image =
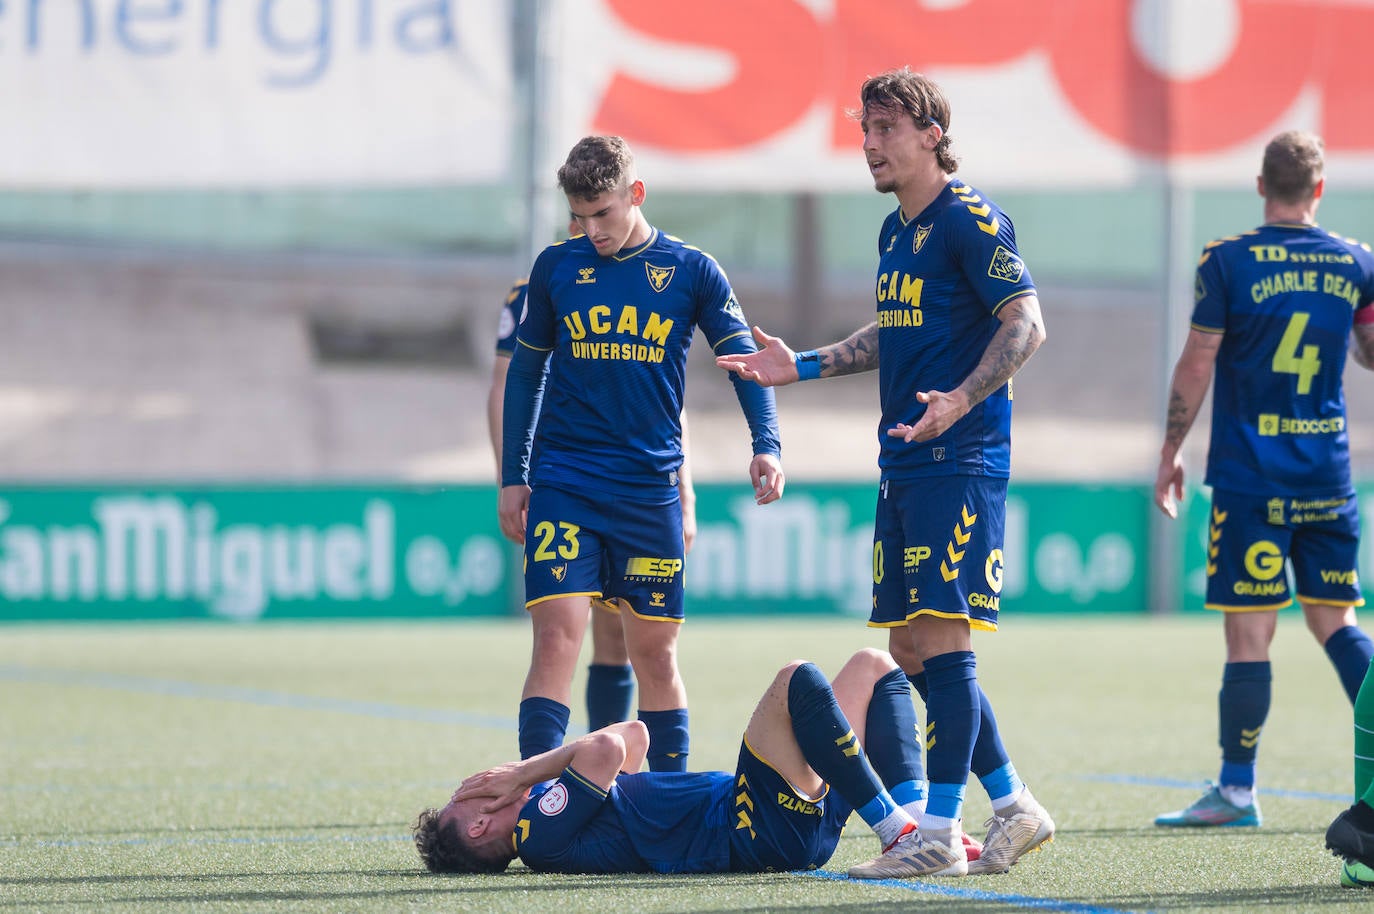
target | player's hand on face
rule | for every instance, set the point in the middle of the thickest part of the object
(773, 365)
(511, 510)
(1169, 484)
(942, 410)
(500, 786)
(765, 471)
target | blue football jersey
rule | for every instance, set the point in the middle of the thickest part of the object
(511, 310)
(662, 822)
(615, 332)
(942, 278)
(1284, 298)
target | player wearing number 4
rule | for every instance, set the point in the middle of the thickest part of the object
(1274, 312)
(591, 450)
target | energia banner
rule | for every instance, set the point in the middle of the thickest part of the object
(726, 94)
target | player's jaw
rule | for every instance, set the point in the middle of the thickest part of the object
(884, 176)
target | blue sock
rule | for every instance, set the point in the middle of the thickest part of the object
(989, 754)
(543, 723)
(1350, 650)
(893, 739)
(952, 726)
(945, 806)
(830, 747)
(1243, 704)
(668, 739)
(610, 694)
(1003, 786)
(919, 683)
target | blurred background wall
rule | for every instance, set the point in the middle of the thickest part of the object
(267, 241)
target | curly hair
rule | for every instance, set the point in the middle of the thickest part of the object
(443, 850)
(919, 96)
(1294, 162)
(596, 165)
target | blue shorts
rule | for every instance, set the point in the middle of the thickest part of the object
(1251, 538)
(776, 830)
(602, 545)
(937, 550)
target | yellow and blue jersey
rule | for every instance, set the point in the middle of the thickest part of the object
(942, 279)
(613, 334)
(679, 822)
(661, 822)
(1284, 297)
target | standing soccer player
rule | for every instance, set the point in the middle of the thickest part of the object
(957, 316)
(610, 678)
(591, 452)
(1273, 316)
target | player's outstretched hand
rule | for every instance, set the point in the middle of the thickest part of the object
(500, 786)
(765, 471)
(1169, 484)
(511, 509)
(942, 410)
(773, 365)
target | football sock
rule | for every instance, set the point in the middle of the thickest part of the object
(668, 739)
(988, 752)
(830, 747)
(892, 741)
(610, 694)
(989, 755)
(1004, 787)
(952, 726)
(1243, 706)
(1364, 738)
(543, 723)
(1350, 650)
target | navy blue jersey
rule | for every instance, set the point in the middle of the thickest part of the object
(614, 333)
(679, 822)
(510, 318)
(662, 822)
(942, 278)
(1284, 298)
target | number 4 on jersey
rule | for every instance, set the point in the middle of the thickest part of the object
(1286, 358)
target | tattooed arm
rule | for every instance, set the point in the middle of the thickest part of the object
(1021, 333)
(1192, 376)
(774, 364)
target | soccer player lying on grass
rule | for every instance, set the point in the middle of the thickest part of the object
(812, 753)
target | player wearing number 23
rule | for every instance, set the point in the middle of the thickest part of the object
(1275, 309)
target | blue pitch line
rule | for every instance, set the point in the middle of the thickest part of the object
(1138, 781)
(246, 695)
(168, 842)
(950, 891)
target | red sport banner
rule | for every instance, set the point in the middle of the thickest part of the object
(757, 93)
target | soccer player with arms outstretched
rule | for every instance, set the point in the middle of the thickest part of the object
(592, 450)
(1274, 312)
(957, 316)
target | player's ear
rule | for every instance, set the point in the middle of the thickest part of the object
(1259, 184)
(478, 826)
(1319, 189)
(637, 193)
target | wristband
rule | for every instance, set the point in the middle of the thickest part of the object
(808, 365)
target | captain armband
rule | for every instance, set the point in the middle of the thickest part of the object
(808, 365)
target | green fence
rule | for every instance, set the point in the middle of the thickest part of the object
(293, 552)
